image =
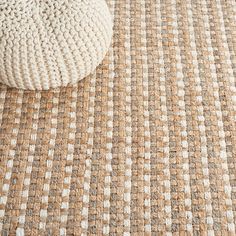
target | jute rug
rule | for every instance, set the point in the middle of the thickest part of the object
(145, 145)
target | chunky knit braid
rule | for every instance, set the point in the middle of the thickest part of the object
(49, 43)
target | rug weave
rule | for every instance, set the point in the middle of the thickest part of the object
(146, 145)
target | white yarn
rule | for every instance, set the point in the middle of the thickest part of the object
(49, 43)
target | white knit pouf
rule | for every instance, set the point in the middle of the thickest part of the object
(50, 43)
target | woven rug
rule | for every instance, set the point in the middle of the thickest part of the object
(146, 145)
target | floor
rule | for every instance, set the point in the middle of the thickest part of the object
(144, 146)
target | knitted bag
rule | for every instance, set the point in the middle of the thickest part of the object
(49, 43)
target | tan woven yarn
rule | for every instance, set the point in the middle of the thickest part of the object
(144, 146)
(46, 44)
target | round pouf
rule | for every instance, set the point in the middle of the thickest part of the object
(50, 43)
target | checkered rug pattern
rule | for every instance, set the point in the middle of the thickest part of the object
(146, 145)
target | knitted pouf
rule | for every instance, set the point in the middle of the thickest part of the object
(49, 43)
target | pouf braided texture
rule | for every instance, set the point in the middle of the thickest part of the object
(50, 43)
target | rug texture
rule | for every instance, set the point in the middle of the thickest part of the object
(145, 145)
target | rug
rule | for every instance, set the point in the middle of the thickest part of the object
(146, 145)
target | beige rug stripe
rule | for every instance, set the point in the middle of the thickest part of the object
(199, 177)
(80, 156)
(176, 114)
(229, 82)
(98, 158)
(137, 107)
(156, 157)
(69, 162)
(128, 126)
(87, 174)
(164, 123)
(223, 153)
(184, 134)
(28, 168)
(225, 71)
(118, 205)
(147, 138)
(229, 12)
(17, 178)
(50, 169)
(229, 15)
(201, 121)
(205, 65)
(218, 113)
(227, 65)
(39, 165)
(10, 157)
(49, 163)
(172, 210)
(109, 135)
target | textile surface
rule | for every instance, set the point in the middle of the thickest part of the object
(144, 146)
